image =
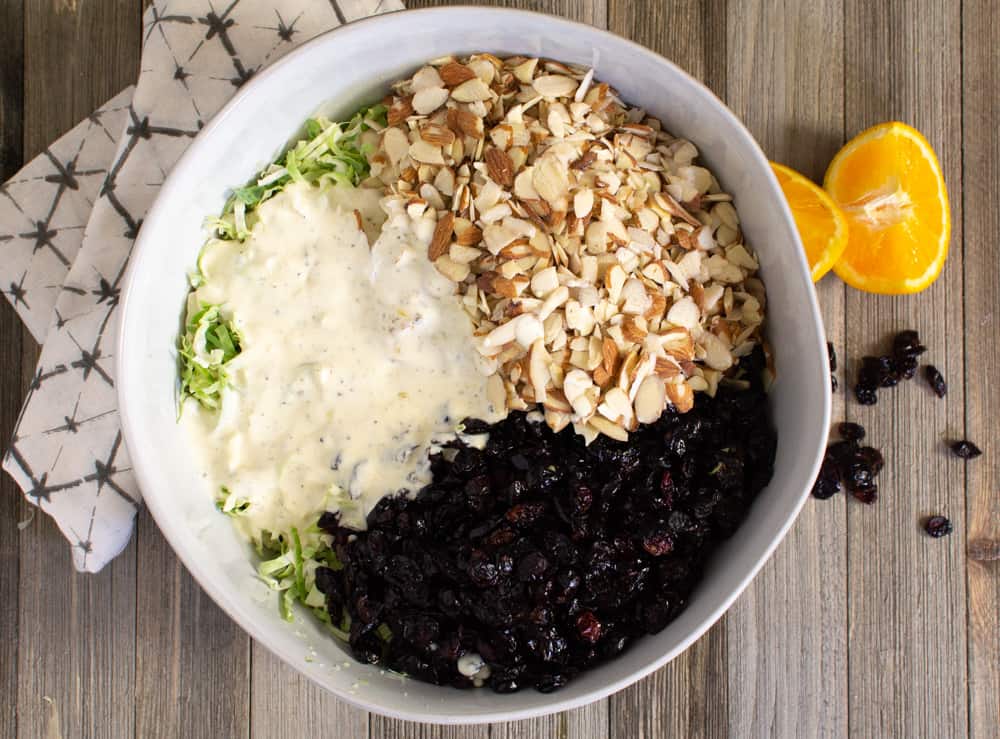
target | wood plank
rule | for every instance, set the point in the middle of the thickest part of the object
(686, 697)
(594, 12)
(907, 668)
(192, 660)
(787, 666)
(12, 338)
(76, 632)
(981, 143)
(391, 728)
(283, 703)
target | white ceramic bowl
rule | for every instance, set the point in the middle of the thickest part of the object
(338, 72)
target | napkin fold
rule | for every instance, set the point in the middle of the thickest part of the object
(67, 224)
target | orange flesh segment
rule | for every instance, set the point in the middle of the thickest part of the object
(889, 184)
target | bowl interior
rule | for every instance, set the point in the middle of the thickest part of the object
(337, 72)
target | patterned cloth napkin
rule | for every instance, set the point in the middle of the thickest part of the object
(67, 224)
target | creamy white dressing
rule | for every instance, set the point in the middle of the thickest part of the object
(355, 361)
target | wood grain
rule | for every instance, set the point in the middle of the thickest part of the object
(12, 350)
(784, 59)
(860, 625)
(283, 703)
(906, 591)
(192, 661)
(682, 698)
(75, 660)
(981, 180)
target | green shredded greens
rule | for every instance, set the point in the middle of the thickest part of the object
(330, 151)
(207, 345)
(229, 503)
(289, 567)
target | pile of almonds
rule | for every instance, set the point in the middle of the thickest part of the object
(605, 272)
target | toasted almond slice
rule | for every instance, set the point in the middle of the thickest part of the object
(668, 204)
(428, 100)
(608, 428)
(454, 74)
(426, 77)
(583, 202)
(680, 395)
(556, 421)
(470, 91)
(436, 134)
(610, 352)
(442, 236)
(395, 144)
(400, 110)
(684, 313)
(421, 151)
(452, 270)
(549, 179)
(554, 85)
(650, 400)
(525, 70)
(538, 369)
(500, 166)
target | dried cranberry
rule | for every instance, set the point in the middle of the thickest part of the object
(865, 394)
(851, 431)
(938, 526)
(907, 344)
(658, 543)
(872, 458)
(935, 380)
(828, 482)
(866, 492)
(965, 449)
(588, 627)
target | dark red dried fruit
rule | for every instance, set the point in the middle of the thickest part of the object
(867, 493)
(832, 355)
(871, 457)
(546, 556)
(658, 543)
(907, 344)
(588, 627)
(938, 526)
(866, 394)
(935, 380)
(965, 449)
(828, 482)
(851, 431)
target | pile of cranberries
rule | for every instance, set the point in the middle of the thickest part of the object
(529, 561)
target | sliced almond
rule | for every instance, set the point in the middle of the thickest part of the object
(554, 85)
(680, 395)
(442, 236)
(464, 122)
(454, 74)
(428, 100)
(436, 134)
(470, 91)
(422, 151)
(608, 428)
(500, 166)
(399, 111)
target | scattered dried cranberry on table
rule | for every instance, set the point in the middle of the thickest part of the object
(935, 380)
(887, 370)
(965, 449)
(938, 526)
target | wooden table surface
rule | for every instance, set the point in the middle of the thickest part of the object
(859, 625)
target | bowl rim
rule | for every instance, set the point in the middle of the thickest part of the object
(158, 508)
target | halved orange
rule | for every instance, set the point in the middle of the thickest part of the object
(822, 227)
(888, 182)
